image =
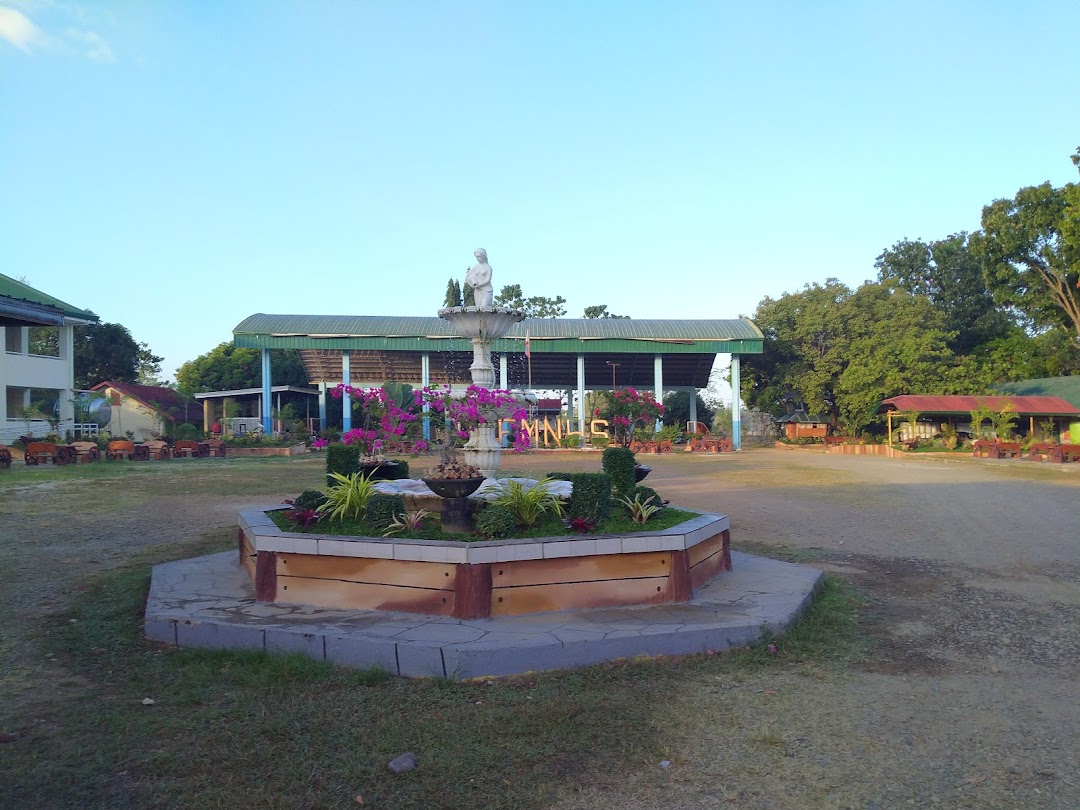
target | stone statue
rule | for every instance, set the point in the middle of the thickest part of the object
(479, 278)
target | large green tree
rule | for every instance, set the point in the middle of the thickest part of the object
(677, 409)
(840, 352)
(601, 312)
(536, 306)
(948, 274)
(107, 351)
(1030, 251)
(227, 367)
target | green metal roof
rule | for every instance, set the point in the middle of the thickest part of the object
(1067, 388)
(585, 335)
(19, 292)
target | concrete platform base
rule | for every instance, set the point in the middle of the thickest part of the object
(209, 602)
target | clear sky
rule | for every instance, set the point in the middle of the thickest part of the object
(178, 166)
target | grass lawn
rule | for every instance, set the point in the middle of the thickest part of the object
(245, 730)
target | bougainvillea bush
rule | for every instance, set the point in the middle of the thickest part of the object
(629, 409)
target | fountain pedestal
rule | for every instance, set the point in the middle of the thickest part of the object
(482, 325)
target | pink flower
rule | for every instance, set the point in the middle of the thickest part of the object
(320, 443)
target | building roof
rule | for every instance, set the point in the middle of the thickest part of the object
(393, 347)
(19, 297)
(1027, 405)
(802, 416)
(243, 392)
(1067, 388)
(165, 401)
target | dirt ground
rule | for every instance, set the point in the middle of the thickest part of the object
(967, 697)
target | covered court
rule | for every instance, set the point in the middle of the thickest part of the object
(571, 355)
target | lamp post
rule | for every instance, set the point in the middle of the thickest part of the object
(614, 366)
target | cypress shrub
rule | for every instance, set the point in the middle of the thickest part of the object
(343, 459)
(591, 497)
(618, 462)
(380, 510)
(495, 522)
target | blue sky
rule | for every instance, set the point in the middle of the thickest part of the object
(176, 167)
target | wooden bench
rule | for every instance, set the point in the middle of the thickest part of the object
(42, 453)
(185, 448)
(5, 456)
(986, 448)
(85, 452)
(1060, 453)
(153, 450)
(831, 441)
(212, 448)
(1008, 449)
(120, 450)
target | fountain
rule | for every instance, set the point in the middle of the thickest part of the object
(481, 324)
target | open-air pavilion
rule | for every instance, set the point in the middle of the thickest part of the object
(563, 354)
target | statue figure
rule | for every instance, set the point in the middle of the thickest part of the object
(479, 278)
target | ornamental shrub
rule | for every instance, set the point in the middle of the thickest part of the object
(309, 499)
(343, 459)
(495, 522)
(643, 494)
(187, 432)
(395, 471)
(618, 462)
(591, 497)
(381, 509)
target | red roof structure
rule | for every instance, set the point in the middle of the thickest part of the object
(164, 400)
(1029, 406)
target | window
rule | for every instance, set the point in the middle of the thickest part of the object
(16, 400)
(45, 341)
(13, 341)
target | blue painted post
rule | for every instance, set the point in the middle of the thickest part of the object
(425, 382)
(736, 404)
(266, 382)
(581, 396)
(322, 406)
(658, 375)
(346, 400)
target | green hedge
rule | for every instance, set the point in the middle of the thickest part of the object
(619, 463)
(380, 510)
(495, 522)
(591, 497)
(345, 459)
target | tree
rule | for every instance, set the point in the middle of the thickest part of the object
(227, 367)
(537, 306)
(601, 312)
(948, 274)
(840, 353)
(453, 294)
(1030, 252)
(677, 409)
(107, 351)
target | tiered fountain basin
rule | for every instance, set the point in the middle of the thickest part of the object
(482, 579)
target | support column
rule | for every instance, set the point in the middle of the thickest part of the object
(266, 401)
(346, 400)
(736, 404)
(581, 396)
(658, 375)
(693, 405)
(322, 406)
(207, 415)
(504, 375)
(425, 382)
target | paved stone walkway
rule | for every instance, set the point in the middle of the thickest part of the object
(210, 602)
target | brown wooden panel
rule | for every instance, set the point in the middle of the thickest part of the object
(705, 549)
(580, 569)
(439, 576)
(710, 567)
(334, 593)
(247, 556)
(266, 576)
(472, 591)
(679, 588)
(565, 596)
